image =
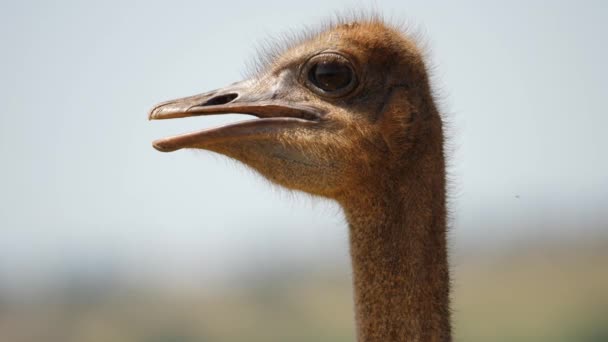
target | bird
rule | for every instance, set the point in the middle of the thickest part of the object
(347, 112)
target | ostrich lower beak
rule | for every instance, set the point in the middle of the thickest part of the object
(274, 114)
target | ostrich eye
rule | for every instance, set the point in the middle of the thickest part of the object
(330, 75)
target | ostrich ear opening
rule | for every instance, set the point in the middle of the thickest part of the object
(396, 121)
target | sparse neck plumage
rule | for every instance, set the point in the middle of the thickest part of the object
(398, 250)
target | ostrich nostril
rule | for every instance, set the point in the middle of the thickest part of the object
(220, 100)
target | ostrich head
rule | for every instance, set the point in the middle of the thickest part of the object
(335, 110)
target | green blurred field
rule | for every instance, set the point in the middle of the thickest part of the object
(548, 293)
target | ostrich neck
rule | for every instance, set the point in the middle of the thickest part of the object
(399, 257)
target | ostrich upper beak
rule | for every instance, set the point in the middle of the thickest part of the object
(275, 112)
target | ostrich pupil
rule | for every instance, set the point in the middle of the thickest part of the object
(330, 75)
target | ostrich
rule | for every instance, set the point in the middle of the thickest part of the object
(347, 113)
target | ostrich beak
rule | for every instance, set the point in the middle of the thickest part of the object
(275, 113)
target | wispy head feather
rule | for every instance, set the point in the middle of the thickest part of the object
(269, 49)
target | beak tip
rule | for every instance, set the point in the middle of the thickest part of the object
(161, 147)
(152, 113)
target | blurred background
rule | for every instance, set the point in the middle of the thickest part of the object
(104, 239)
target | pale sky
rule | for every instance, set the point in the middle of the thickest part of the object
(523, 84)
